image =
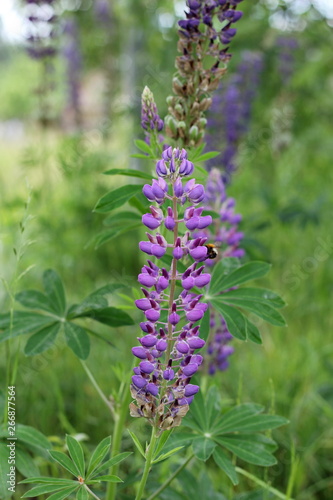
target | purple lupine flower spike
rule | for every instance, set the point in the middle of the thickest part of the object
(230, 115)
(161, 384)
(150, 120)
(204, 50)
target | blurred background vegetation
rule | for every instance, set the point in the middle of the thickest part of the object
(51, 177)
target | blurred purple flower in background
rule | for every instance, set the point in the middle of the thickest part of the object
(230, 114)
(41, 28)
(286, 47)
(72, 55)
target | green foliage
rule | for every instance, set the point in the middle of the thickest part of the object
(263, 303)
(50, 314)
(214, 432)
(75, 464)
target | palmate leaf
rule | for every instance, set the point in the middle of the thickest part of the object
(110, 234)
(122, 219)
(47, 480)
(47, 488)
(64, 461)
(235, 320)
(110, 316)
(247, 449)
(33, 299)
(99, 454)
(42, 340)
(32, 437)
(63, 494)
(129, 173)
(143, 146)
(76, 453)
(109, 463)
(116, 198)
(203, 447)
(82, 494)
(77, 339)
(25, 464)
(24, 323)
(261, 295)
(223, 462)
(54, 290)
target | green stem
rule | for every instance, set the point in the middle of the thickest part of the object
(171, 478)
(120, 419)
(91, 492)
(149, 459)
(98, 389)
(264, 485)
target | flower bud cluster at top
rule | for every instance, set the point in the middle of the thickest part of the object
(150, 119)
(196, 78)
(231, 112)
(41, 28)
(167, 350)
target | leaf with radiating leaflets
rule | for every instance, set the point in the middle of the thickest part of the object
(143, 146)
(24, 323)
(64, 461)
(223, 462)
(116, 198)
(44, 489)
(63, 494)
(129, 173)
(247, 449)
(33, 299)
(32, 437)
(110, 316)
(77, 339)
(54, 290)
(42, 340)
(25, 464)
(203, 447)
(247, 272)
(112, 461)
(82, 494)
(220, 271)
(261, 295)
(235, 320)
(76, 453)
(99, 454)
(121, 219)
(110, 234)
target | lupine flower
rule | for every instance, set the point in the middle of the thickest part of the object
(150, 120)
(41, 28)
(231, 113)
(224, 233)
(219, 350)
(102, 12)
(194, 80)
(72, 54)
(286, 53)
(167, 350)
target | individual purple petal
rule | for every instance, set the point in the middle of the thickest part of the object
(190, 390)
(195, 342)
(139, 352)
(190, 369)
(139, 381)
(152, 314)
(152, 389)
(148, 340)
(147, 367)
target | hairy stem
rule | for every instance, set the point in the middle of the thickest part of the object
(171, 478)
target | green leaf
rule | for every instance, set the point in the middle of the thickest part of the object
(64, 461)
(162, 441)
(140, 202)
(25, 322)
(220, 271)
(82, 494)
(63, 494)
(167, 455)
(54, 290)
(47, 480)
(208, 156)
(116, 198)
(43, 489)
(137, 443)
(109, 479)
(252, 332)
(33, 437)
(99, 454)
(250, 451)
(121, 218)
(261, 295)
(110, 316)
(139, 155)
(223, 462)
(198, 412)
(76, 453)
(33, 299)
(205, 325)
(247, 272)
(112, 461)
(129, 173)
(42, 340)
(110, 234)
(77, 339)
(235, 320)
(203, 447)
(4, 470)
(235, 416)
(25, 464)
(252, 423)
(212, 404)
(143, 146)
